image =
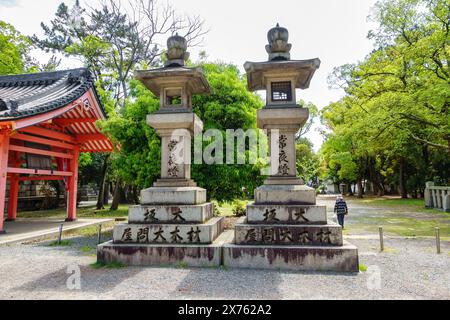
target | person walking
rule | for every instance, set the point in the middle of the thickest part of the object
(341, 210)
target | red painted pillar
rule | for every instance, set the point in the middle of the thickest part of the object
(73, 187)
(4, 149)
(13, 190)
(13, 197)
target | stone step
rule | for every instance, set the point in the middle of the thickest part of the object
(288, 234)
(179, 214)
(169, 233)
(173, 196)
(197, 255)
(287, 214)
(294, 258)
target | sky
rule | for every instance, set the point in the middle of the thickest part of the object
(335, 31)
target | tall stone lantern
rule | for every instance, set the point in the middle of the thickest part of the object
(174, 224)
(282, 117)
(175, 122)
(284, 228)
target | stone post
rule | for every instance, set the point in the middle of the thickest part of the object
(446, 202)
(428, 194)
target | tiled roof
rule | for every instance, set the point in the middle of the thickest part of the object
(28, 95)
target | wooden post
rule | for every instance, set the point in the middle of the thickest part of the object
(99, 235)
(438, 240)
(60, 233)
(380, 229)
(13, 190)
(4, 151)
(73, 187)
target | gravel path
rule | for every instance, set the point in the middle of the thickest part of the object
(410, 269)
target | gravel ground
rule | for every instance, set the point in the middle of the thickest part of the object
(409, 269)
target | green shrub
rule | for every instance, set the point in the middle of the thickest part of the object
(239, 208)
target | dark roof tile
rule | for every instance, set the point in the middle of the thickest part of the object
(27, 95)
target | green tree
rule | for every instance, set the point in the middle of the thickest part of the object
(308, 164)
(229, 106)
(395, 112)
(14, 48)
(113, 41)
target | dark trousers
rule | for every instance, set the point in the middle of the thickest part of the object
(341, 218)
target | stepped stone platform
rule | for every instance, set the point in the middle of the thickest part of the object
(266, 240)
(294, 258)
(169, 234)
(198, 255)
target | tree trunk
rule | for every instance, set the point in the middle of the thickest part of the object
(402, 178)
(101, 192)
(116, 197)
(106, 191)
(123, 194)
(360, 189)
(135, 195)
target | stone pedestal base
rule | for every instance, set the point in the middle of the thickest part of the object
(288, 214)
(285, 195)
(156, 214)
(172, 226)
(199, 255)
(170, 183)
(173, 196)
(295, 258)
(165, 233)
(288, 234)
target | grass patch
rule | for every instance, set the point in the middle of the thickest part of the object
(92, 231)
(182, 265)
(409, 226)
(86, 249)
(63, 243)
(415, 205)
(223, 268)
(111, 265)
(362, 268)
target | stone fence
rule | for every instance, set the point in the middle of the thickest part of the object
(437, 197)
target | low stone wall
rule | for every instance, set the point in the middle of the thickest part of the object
(437, 197)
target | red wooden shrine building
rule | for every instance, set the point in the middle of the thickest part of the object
(46, 120)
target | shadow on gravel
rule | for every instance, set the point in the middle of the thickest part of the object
(222, 284)
(92, 280)
(241, 283)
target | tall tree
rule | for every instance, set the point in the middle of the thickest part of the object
(115, 39)
(397, 102)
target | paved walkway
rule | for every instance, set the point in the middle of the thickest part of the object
(30, 229)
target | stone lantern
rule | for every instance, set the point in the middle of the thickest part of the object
(282, 117)
(175, 122)
(174, 224)
(284, 228)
